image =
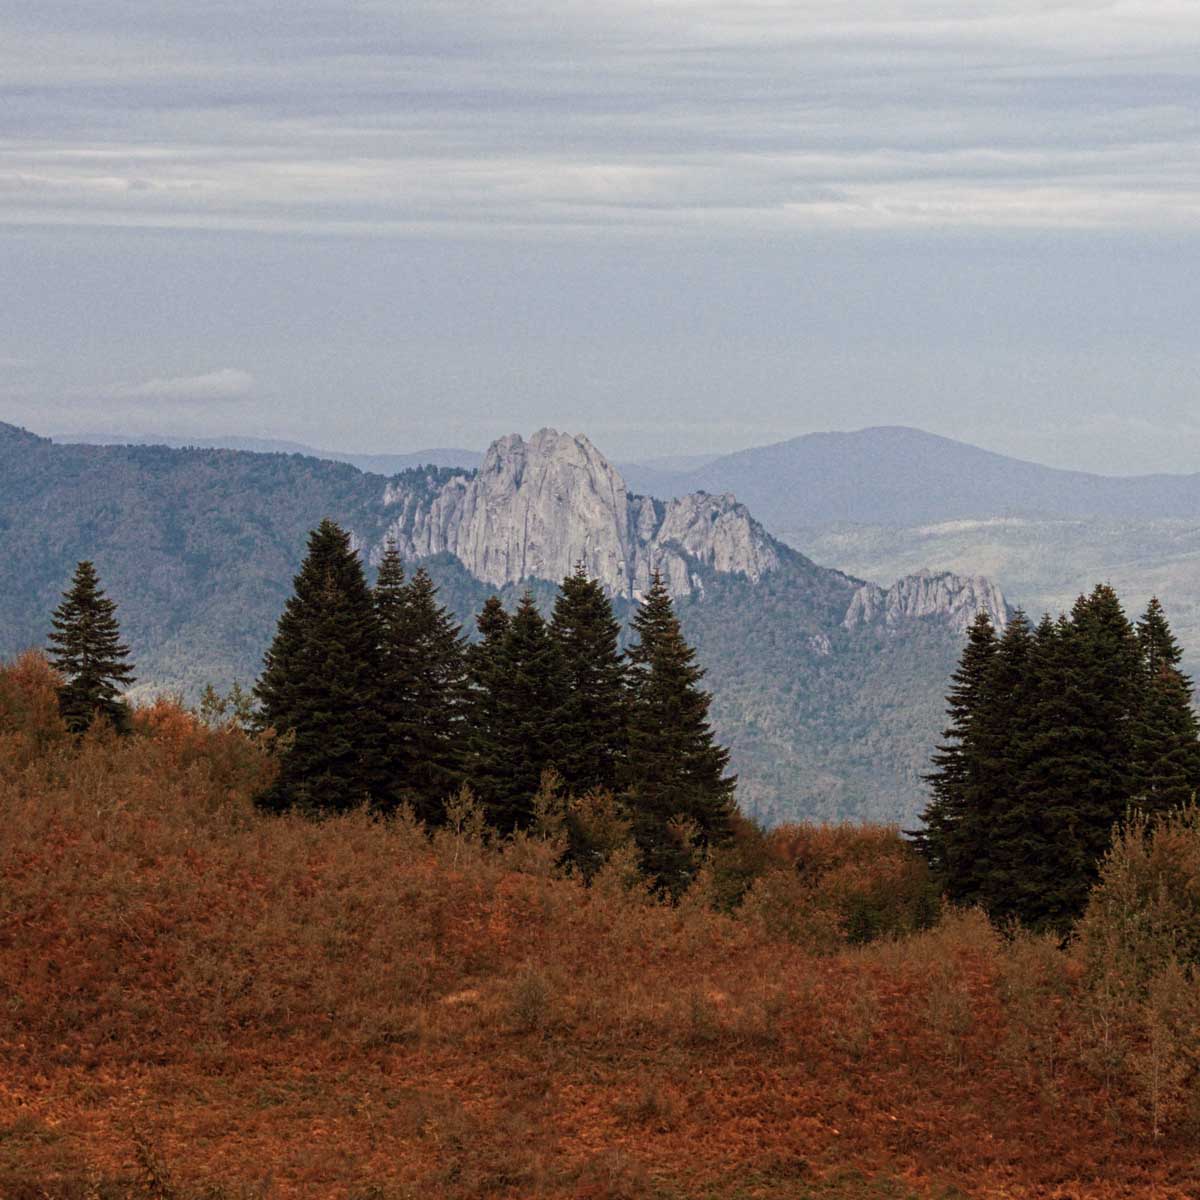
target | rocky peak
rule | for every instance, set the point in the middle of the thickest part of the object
(955, 598)
(536, 508)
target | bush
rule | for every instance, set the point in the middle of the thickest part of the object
(1140, 944)
(1145, 909)
(835, 885)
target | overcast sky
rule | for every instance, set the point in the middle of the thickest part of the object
(679, 226)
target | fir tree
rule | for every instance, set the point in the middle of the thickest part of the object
(997, 755)
(1165, 751)
(674, 771)
(86, 648)
(1035, 856)
(592, 715)
(1070, 765)
(320, 683)
(518, 684)
(396, 668)
(422, 694)
(482, 691)
(945, 839)
(1109, 669)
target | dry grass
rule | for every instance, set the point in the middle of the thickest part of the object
(197, 1001)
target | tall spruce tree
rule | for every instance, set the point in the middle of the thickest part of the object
(482, 691)
(395, 665)
(86, 648)
(422, 692)
(320, 684)
(592, 716)
(674, 770)
(518, 686)
(1165, 762)
(951, 839)
(1035, 856)
(978, 771)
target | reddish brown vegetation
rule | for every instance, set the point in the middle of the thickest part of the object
(196, 1000)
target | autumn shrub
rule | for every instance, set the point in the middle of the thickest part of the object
(833, 885)
(736, 864)
(1145, 909)
(191, 989)
(1139, 941)
(1038, 993)
(30, 724)
(597, 826)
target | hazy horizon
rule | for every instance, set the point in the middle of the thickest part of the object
(665, 463)
(684, 228)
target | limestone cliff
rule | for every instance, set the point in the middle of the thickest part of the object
(536, 508)
(955, 598)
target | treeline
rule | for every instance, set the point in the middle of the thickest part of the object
(1056, 733)
(374, 698)
(383, 702)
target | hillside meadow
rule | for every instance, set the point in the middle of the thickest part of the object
(201, 1001)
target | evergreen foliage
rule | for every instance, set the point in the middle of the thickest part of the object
(592, 715)
(674, 773)
(422, 686)
(519, 685)
(946, 837)
(1166, 741)
(1056, 733)
(483, 686)
(86, 648)
(319, 689)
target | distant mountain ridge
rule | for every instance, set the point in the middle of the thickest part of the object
(827, 688)
(894, 475)
(375, 464)
(881, 475)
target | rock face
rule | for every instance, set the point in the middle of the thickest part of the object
(536, 508)
(954, 598)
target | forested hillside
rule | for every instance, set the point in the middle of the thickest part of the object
(198, 547)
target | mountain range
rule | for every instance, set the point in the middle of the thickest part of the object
(885, 502)
(827, 687)
(893, 475)
(377, 464)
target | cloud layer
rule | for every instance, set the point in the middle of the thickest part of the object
(687, 116)
(228, 383)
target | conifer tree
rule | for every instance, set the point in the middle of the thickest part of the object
(396, 667)
(998, 749)
(978, 770)
(1108, 662)
(86, 648)
(320, 683)
(1165, 748)
(482, 691)
(1034, 853)
(1077, 721)
(1073, 779)
(517, 679)
(945, 839)
(421, 692)
(674, 770)
(592, 715)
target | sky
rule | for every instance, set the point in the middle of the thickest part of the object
(680, 227)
